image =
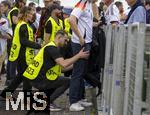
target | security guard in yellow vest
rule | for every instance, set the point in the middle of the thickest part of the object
(19, 40)
(47, 66)
(13, 20)
(22, 49)
(12, 16)
(13, 13)
(53, 24)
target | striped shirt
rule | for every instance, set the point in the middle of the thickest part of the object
(112, 14)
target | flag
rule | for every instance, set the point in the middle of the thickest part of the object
(81, 4)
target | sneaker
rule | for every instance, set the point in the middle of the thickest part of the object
(84, 99)
(76, 107)
(84, 103)
(89, 87)
(54, 108)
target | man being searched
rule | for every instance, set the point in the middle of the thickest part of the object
(53, 24)
(81, 21)
(47, 65)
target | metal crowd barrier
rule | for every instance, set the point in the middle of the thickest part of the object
(126, 81)
(147, 70)
(107, 70)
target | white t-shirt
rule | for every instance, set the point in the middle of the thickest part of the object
(112, 14)
(37, 21)
(4, 28)
(83, 12)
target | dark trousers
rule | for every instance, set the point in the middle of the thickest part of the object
(60, 85)
(11, 70)
(11, 66)
(21, 66)
(77, 88)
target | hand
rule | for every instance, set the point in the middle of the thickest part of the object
(123, 17)
(82, 41)
(83, 54)
(98, 23)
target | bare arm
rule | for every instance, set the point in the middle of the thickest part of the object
(73, 24)
(6, 36)
(95, 11)
(67, 68)
(67, 62)
(74, 27)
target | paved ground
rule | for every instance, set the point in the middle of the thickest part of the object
(62, 101)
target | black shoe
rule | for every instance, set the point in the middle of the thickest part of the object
(53, 107)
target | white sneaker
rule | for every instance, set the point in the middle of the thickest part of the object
(84, 99)
(84, 103)
(76, 107)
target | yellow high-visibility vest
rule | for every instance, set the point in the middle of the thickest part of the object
(55, 28)
(34, 68)
(9, 16)
(67, 27)
(16, 45)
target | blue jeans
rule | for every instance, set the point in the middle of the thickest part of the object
(77, 88)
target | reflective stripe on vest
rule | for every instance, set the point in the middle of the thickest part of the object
(34, 68)
(9, 16)
(67, 27)
(16, 45)
(55, 28)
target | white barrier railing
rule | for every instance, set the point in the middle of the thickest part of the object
(126, 48)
